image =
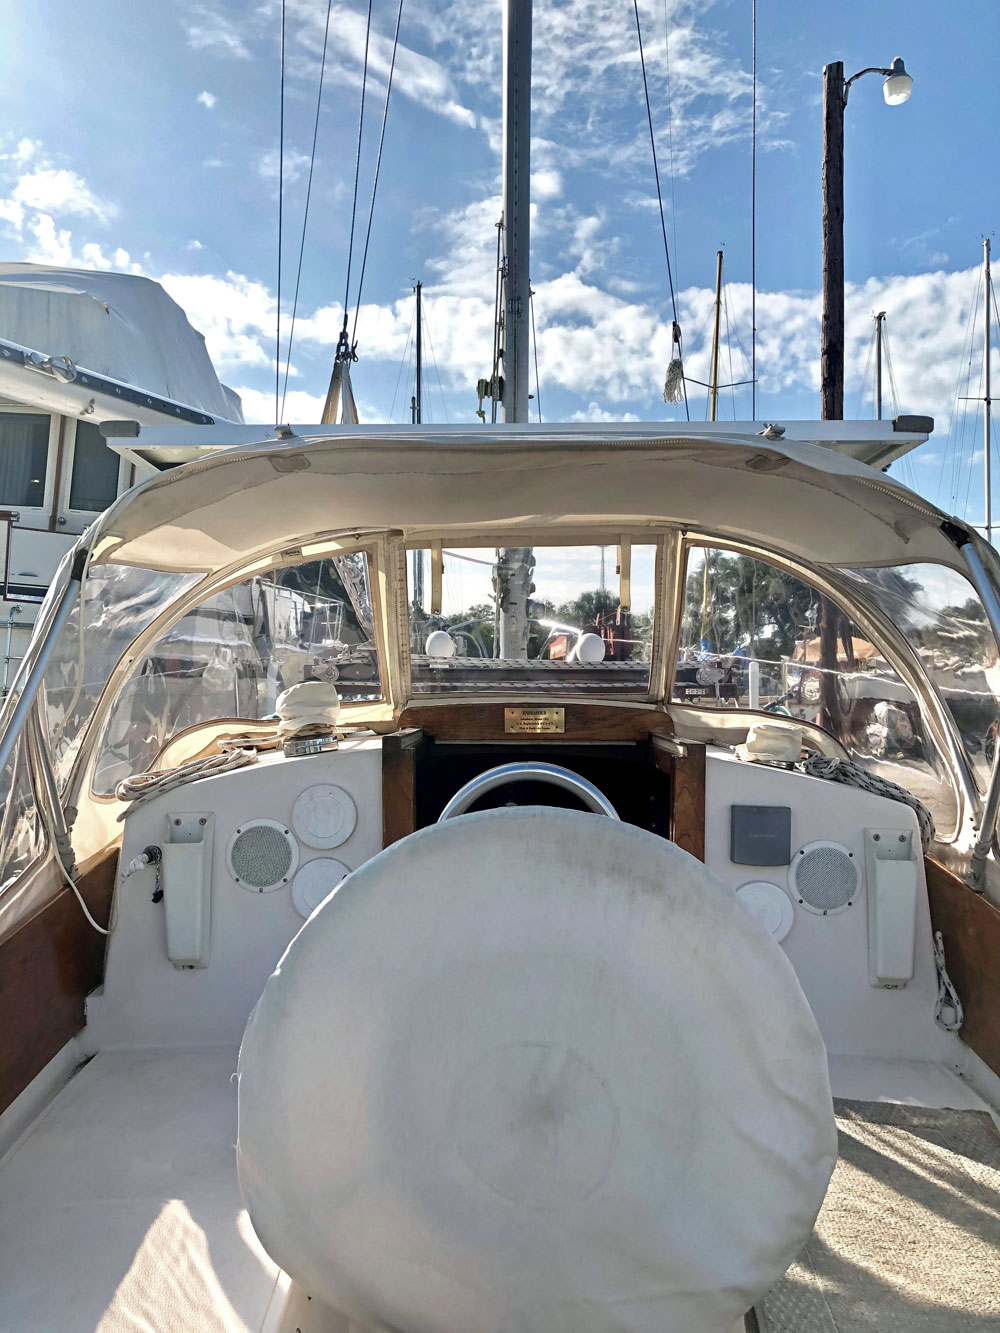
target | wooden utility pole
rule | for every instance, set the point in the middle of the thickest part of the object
(715, 335)
(832, 352)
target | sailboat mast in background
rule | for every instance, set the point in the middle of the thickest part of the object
(416, 403)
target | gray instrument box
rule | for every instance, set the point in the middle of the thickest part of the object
(760, 835)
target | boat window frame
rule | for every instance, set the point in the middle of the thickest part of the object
(884, 634)
(665, 539)
(77, 520)
(41, 517)
(83, 773)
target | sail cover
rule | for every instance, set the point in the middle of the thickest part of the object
(114, 324)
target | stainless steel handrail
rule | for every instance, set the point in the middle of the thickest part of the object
(593, 799)
(991, 803)
(33, 678)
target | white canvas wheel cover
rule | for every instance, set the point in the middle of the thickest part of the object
(534, 1070)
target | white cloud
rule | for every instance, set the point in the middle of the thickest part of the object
(594, 412)
(57, 190)
(299, 406)
(207, 100)
(269, 165)
(194, 245)
(235, 313)
(416, 76)
(208, 30)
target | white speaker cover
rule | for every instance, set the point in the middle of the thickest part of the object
(769, 903)
(315, 881)
(534, 1070)
(324, 815)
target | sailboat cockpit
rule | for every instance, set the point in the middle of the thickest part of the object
(579, 828)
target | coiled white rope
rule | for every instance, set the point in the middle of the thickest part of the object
(948, 1012)
(852, 775)
(142, 787)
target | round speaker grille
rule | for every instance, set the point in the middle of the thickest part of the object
(824, 877)
(262, 855)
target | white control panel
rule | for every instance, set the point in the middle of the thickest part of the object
(273, 826)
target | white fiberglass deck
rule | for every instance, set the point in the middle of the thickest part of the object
(120, 1210)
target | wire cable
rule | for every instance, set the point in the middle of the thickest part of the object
(534, 342)
(305, 211)
(670, 133)
(281, 209)
(404, 362)
(437, 373)
(656, 174)
(342, 345)
(378, 166)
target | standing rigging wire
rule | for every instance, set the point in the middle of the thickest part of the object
(378, 166)
(437, 373)
(305, 213)
(534, 343)
(281, 209)
(864, 375)
(954, 451)
(497, 308)
(343, 346)
(676, 368)
(405, 360)
(753, 215)
(670, 134)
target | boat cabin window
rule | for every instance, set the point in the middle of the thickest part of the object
(941, 615)
(24, 452)
(755, 637)
(578, 633)
(121, 602)
(234, 653)
(94, 482)
(22, 836)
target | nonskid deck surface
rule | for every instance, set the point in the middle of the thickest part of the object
(909, 1235)
(120, 1209)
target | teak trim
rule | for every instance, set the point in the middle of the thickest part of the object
(48, 966)
(970, 928)
(584, 722)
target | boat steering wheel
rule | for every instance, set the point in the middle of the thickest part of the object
(467, 795)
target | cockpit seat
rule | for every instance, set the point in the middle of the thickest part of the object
(533, 1069)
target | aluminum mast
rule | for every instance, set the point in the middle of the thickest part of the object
(514, 564)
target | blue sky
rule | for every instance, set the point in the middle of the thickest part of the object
(144, 136)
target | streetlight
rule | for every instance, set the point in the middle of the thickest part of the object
(896, 87)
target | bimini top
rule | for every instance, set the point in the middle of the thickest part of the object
(75, 337)
(809, 501)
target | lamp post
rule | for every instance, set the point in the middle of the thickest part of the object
(896, 88)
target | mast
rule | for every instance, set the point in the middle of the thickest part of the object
(416, 411)
(514, 564)
(516, 204)
(879, 318)
(415, 420)
(987, 286)
(715, 336)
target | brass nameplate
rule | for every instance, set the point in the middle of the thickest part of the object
(534, 720)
